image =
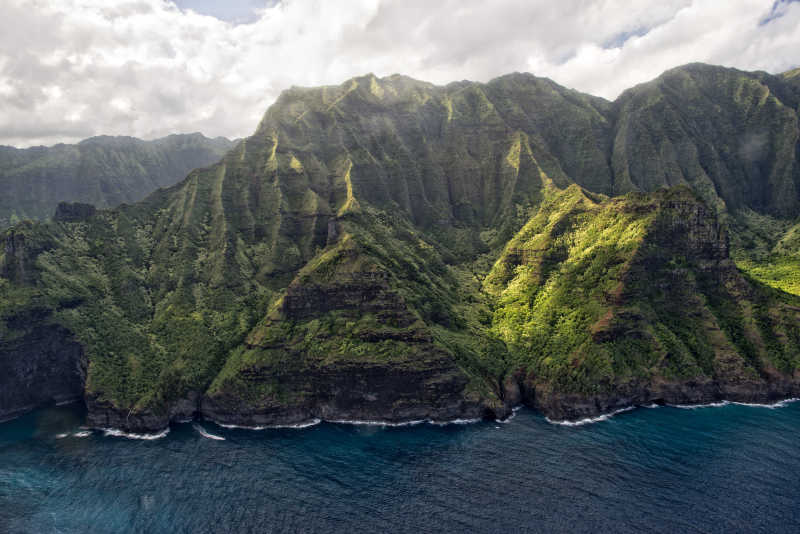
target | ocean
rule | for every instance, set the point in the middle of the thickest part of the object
(729, 468)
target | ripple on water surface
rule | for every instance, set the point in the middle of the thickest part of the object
(733, 468)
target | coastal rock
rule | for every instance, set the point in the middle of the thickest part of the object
(365, 392)
(39, 365)
(103, 414)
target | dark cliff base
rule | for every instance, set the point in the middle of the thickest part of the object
(555, 406)
(565, 407)
(371, 393)
(41, 366)
(104, 415)
(101, 416)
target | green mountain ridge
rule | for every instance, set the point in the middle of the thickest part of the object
(392, 250)
(104, 171)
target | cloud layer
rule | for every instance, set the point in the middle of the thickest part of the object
(70, 69)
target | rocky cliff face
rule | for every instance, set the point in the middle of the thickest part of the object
(39, 365)
(388, 249)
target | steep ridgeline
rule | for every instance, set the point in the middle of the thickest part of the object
(104, 171)
(391, 250)
(731, 135)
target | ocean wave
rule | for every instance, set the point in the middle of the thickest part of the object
(719, 404)
(121, 434)
(206, 434)
(413, 422)
(698, 406)
(356, 422)
(456, 422)
(82, 434)
(62, 436)
(590, 420)
(378, 423)
(305, 424)
(779, 404)
(508, 419)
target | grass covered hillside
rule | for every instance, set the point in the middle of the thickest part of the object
(390, 249)
(605, 303)
(104, 171)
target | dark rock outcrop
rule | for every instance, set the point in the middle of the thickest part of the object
(73, 212)
(103, 414)
(352, 392)
(39, 365)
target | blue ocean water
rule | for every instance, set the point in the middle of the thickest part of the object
(725, 469)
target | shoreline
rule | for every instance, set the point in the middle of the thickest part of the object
(352, 422)
(389, 424)
(717, 404)
(149, 436)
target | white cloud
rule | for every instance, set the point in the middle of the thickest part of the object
(74, 68)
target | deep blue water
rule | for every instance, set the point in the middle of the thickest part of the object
(726, 469)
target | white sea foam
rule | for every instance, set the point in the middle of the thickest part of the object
(242, 427)
(589, 420)
(456, 422)
(508, 419)
(414, 422)
(82, 434)
(357, 422)
(378, 423)
(62, 436)
(770, 406)
(779, 404)
(206, 434)
(121, 434)
(304, 424)
(698, 406)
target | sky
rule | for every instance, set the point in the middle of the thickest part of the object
(70, 69)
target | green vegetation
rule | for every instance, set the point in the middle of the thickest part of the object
(591, 295)
(451, 237)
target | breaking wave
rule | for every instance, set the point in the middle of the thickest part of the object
(206, 434)
(305, 424)
(590, 420)
(121, 434)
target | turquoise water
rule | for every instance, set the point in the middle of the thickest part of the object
(726, 469)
